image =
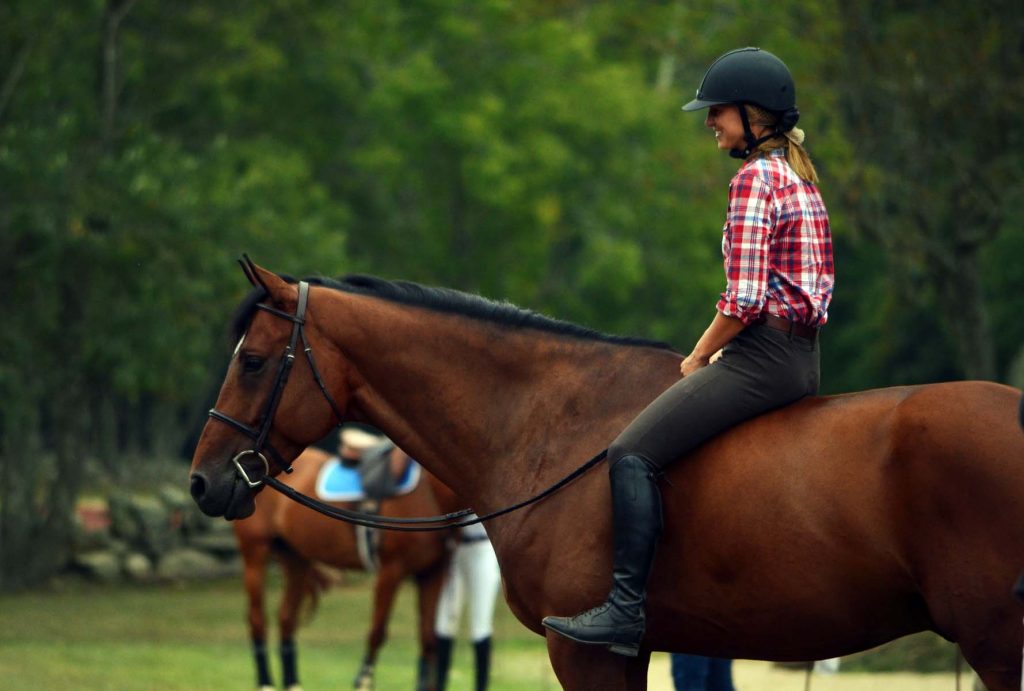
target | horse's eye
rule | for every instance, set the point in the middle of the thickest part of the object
(251, 363)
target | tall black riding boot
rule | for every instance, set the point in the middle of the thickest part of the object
(636, 514)
(444, 661)
(482, 656)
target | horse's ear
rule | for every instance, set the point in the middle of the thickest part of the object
(249, 269)
(280, 290)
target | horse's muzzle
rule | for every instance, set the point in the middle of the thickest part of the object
(230, 497)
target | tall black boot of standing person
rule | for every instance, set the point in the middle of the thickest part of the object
(619, 623)
(444, 661)
(482, 652)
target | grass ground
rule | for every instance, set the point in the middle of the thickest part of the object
(137, 638)
(126, 638)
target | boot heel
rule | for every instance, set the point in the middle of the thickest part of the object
(629, 650)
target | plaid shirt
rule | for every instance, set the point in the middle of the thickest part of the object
(777, 245)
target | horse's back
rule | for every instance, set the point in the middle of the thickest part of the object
(862, 460)
(836, 506)
(334, 542)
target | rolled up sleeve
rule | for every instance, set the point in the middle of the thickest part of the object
(745, 243)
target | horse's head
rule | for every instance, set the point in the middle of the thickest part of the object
(273, 402)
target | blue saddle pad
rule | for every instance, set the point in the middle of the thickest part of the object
(338, 483)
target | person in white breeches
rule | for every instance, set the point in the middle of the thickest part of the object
(473, 579)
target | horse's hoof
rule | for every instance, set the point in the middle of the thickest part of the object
(294, 687)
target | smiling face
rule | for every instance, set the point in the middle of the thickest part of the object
(725, 121)
(727, 125)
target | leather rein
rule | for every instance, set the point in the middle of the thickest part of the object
(456, 519)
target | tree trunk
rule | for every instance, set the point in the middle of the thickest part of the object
(965, 315)
(110, 59)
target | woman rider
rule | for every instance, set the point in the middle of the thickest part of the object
(777, 246)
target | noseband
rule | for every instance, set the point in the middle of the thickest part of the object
(260, 435)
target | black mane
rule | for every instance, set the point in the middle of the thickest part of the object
(444, 300)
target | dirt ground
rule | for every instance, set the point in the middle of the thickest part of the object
(753, 675)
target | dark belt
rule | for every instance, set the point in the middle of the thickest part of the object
(792, 328)
(473, 538)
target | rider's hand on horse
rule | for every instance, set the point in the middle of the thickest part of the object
(692, 363)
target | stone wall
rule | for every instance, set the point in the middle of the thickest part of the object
(144, 537)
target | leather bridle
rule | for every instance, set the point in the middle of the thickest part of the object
(260, 435)
(457, 519)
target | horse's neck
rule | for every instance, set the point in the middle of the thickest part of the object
(491, 411)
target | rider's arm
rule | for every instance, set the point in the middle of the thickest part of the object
(723, 329)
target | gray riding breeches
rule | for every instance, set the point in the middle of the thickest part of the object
(760, 369)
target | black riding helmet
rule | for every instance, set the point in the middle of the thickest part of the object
(754, 76)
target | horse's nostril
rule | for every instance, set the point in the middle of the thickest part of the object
(197, 487)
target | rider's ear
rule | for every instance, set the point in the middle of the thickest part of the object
(280, 291)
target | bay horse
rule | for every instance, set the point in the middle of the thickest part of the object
(823, 528)
(300, 538)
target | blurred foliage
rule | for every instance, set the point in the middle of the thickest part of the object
(938, 174)
(531, 151)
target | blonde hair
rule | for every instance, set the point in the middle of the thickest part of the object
(792, 142)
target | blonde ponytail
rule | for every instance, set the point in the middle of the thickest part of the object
(792, 142)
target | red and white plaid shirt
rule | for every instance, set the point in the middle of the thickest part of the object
(777, 245)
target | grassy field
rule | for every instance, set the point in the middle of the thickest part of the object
(80, 636)
(126, 638)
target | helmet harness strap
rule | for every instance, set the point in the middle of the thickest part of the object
(787, 121)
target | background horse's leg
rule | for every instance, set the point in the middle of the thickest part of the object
(388, 579)
(298, 574)
(429, 583)
(593, 668)
(254, 556)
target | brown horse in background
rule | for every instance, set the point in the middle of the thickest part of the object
(301, 538)
(820, 529)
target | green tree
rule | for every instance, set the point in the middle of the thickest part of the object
(530, 151)
(119, 238)
(933, 108)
